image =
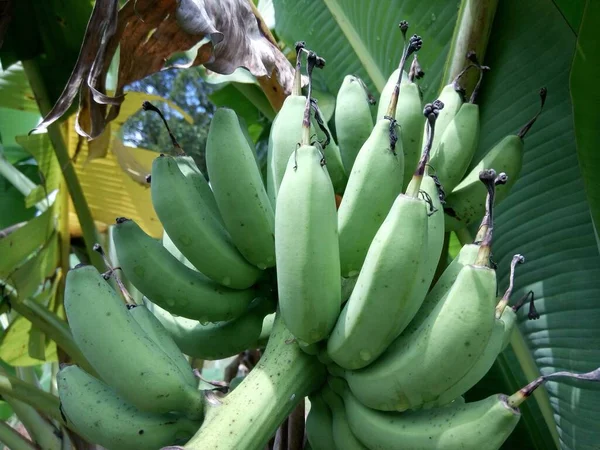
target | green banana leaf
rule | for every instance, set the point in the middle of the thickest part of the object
(547, 216)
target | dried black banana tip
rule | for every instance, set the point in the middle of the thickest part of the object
(543, 93)
(148, 178)
(299, 46)
(502, 178)
(98, 248)
(320, 62)
(472, 56)
(147, 106)
(129, 306)
(403, 25)
(122, 219)
(414, 45)
(487, 175)
(433, 109)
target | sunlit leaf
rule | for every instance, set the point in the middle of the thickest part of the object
(15, 92)
(14, 346)
(17, 246)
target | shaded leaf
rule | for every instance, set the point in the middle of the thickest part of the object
(585, 74)
(362, 38)
(40, 148)
(546, 217)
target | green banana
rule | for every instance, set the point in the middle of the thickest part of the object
(190, 170)
(375, 181)
(457, 146)
(343, 437)
(161, 337)
(120, 350)
(451, 157)
(102, 417)
(390, 281)
(170, 247)
(448, 341)
(464, 204)
(194, 230)
(452, 100)
(283, 140)
(482, 425)
(319, 424)
(219, 340)
(409, 115)
(169, 283)
(305, 232)
(239, 191)
(353, 121)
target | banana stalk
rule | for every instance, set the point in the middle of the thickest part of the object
(249, 416)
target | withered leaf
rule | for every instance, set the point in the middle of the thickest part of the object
(100, 28)
(149, 33)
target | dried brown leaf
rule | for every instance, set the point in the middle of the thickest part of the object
(100, 28)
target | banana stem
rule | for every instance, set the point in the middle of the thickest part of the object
(250, 415)
(431, 112)
(297, 86)
(82, 209)
(13, 439)
(27, 393)
(523, 394)
(471, 33)
(517, 259)
(488, 177)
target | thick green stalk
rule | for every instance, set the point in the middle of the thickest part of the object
(82, 209)
(471, 33)
(250, 415)
(40, 400)
(14, 440)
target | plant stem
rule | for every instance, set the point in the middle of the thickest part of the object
(40, 400)
(471, 33)
(90, 234)
(250, 415)
(13, 439)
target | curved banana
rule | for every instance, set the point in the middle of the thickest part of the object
(194, 230)
(452, 101)
(393, 280)
(375, 181)
(190, 170)
(451, 159)
(120, 350)
(448, 341)
(353, 120)
(219, 340)
(482, 425)
(102, 417)
(319, 424)
(465, 203)
(239, 191)
(169, 283)
(343, 437)
(306, 232)
(161, 337)
(284, 137)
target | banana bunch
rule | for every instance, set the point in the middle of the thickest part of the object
(351, 284)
